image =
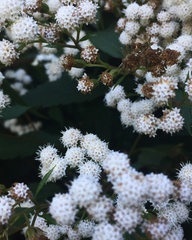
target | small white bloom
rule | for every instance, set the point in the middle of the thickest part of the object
(62, 209)
(84, 190)
(114, 96)
(6, 205)
(71, 137)
(67, 17)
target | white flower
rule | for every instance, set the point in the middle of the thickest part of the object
(185, 173)
(62, 209)
(114, 96)
(97, 150)
(168, 29)
(163, 16)
(73, 234)
(127, 218)
(47, 154)
(87, 140)
(185, 41)
(59, 166)
(4, 100)
(146, 124)
(171, 121)
(157, 230)
(6, 205)
(31, 4)
(188, 88)
(87, 11)
(175, 233)
(146, 12)
(76, 72)
(90, 168)
(24, 29)
(125, 38)
(19, 191)
(132, 27)
(53, 232)
(1, 77)
(115, 164)
(54, 70)
(131, 188)
(86, 228)
(67, 17)
(53, 5)
(71, 137)
(7, 52)
(11, 9)
(74, 156)
(175, 213)
(160, 188)
(84, 190)
(132, 11)
(107, 231)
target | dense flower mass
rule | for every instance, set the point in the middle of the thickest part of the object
(133, 56)
(130, 188)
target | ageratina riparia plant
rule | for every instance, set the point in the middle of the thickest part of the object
(64, 64)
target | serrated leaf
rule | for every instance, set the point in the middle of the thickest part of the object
(43, 181)
(108, 42)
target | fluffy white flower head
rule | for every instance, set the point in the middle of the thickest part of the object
(185, 173)
(106, 231)
(71, 137)
(19, 191)
(4, 100)
(84, 190)
(67, 17)
(86, 228)
(7, 52)
(11, 9)
(24, 29)
(114, 96)
(132, 11)
(87, 11)
(74, 156)
(62, 209)
(6, 205)
(171, 121)
(90, 168)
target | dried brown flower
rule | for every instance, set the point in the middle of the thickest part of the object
(153, 60)
(107, 79)
(67, 61)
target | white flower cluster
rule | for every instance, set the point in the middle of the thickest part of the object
(14, 126)
(69, 16)
(139, 114)
(163, 26)
(4, 99)
(130, 190)
(22, 79)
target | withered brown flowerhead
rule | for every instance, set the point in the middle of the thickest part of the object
(153, 60)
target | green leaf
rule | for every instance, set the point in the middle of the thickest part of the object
(63, 91)
(108, 42)
(14, 111)
(186, 112)
(14, 95)
(12, 146)
(153, 157)
(43, 181)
